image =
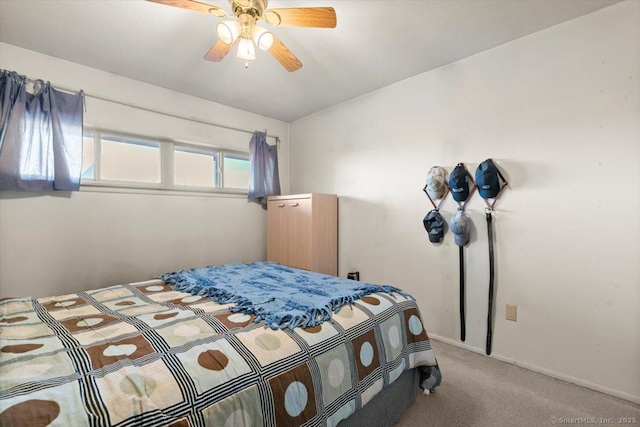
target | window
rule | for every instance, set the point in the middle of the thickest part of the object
(236, 171)
(123, 159)
(117, 160)
(88, 157)
(195, 167)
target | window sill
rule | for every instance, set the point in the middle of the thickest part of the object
(190, 192)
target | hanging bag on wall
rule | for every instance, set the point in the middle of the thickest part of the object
(488, 180)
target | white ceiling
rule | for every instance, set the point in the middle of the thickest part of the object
(376, 43)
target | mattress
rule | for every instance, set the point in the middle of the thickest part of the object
(146, 354)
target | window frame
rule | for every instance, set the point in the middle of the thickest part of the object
(167, 171)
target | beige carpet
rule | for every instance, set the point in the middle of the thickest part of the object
(480, 391)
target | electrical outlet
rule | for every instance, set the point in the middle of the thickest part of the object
(512, 312)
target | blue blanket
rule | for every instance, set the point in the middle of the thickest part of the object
(281, 296)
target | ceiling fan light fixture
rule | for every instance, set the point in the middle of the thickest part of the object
(244, 32)
(228, 31)
(262, 38)
(246, 50)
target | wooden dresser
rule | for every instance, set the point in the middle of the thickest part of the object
(302, 231)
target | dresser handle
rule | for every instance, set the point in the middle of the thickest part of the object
(294, 204)
(281, 205)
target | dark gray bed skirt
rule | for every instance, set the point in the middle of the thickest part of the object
(388, 406)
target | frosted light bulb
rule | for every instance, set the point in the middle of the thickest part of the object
(246, 50)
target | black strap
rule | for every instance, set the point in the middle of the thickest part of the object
(498, 170)
(489, 316)
(500, 175)
(462, 322)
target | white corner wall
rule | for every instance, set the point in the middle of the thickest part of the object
(51, 244)
(559, 111)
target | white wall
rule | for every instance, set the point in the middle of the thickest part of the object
(559, 112)
(58, 243)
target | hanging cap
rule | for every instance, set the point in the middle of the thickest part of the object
(434, 224)
(436, 182)
(459, 183)
(460, 227)
(487, 179)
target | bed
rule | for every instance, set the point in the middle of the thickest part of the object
(151, 354)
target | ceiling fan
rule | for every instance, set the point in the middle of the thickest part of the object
(244, 30)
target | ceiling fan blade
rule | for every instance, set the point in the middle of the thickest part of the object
(284, 56)
(319, 17)
(193, 5)
(218, 51)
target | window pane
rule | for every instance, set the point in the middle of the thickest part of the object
(88, 156)
(236, 171)
(124, 159)
(195, 167)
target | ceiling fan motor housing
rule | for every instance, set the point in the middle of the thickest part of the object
(254, 8)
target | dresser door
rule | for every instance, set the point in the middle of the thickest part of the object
(277, 231)
(299, 233)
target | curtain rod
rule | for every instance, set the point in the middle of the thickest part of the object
(152, 110)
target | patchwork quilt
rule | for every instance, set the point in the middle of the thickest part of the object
(144, 354)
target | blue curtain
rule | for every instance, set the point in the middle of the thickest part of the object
(40, 136)
(263, 176)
